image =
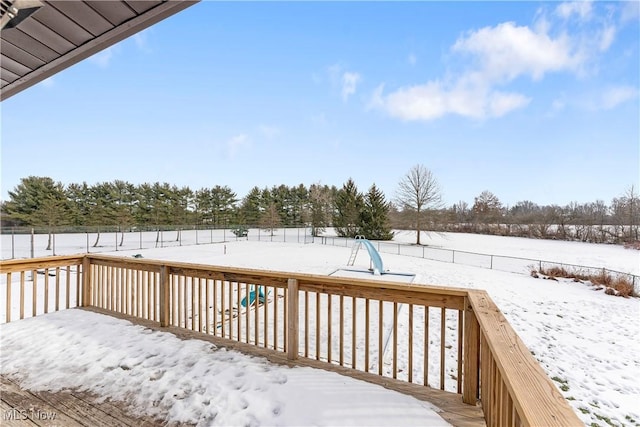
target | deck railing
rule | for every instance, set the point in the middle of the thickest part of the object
(447, 338)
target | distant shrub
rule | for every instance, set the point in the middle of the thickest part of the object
(618, 286)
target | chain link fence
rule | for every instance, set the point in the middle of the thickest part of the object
(35, 242)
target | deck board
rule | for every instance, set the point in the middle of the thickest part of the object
(71, 409)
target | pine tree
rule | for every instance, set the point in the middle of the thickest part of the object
(348, 204)
(38, 201)
(250, 211)
(374, 219)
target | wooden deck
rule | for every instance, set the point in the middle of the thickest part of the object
(21, 408)
(71, 408)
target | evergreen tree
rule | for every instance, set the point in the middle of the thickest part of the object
(374, 220)
(202, 206)
(223, 201)
(348, 205)
(78, 198)
(102, 207)
(300, 200)
(124, 195)
(38, 201)
(250, 212)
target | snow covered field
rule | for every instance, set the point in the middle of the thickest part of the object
(586, 341)
(613, 257)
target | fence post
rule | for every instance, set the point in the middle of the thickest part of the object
(54, 243)
(471, 348)
(116, 240)
(165, 296)
(453, 257)
(13, 243)
(491, 263)
(292, 319)
(32, 241)
(141, 239)
(87, 282)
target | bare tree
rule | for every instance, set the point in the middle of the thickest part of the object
(487, 208)
(419, 191)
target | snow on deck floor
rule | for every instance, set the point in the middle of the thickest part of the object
(191, 381)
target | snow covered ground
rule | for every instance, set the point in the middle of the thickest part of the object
(586, 341)
(192, 381)
(613, 257)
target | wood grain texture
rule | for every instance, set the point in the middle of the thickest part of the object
(536, 399)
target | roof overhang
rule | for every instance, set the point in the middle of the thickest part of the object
(51, 35)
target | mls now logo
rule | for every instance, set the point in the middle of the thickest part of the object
(15, 414)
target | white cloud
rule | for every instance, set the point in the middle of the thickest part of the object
(582, 9)
(141, 40)
(494, 57)
(614, 96)
(434, 100)
(507, 51)
(237, 143)
(346, 81)
(501, 103)
(349, 83)
(606, 38)
(103, 58)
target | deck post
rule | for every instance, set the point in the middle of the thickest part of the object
(164, 296)
(471, 355)
(293, 327)
(87, 283)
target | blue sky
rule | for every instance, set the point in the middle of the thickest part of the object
(531, 101)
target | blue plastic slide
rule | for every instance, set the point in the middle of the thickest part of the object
(252, 297)
(375, 257)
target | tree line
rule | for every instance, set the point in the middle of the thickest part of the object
(43, 202)
(416, 205)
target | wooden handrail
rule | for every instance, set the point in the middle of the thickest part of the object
(224, 272)
(27, 264)
(492, 360)
(535, 398)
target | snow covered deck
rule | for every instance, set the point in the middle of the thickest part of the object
(455, 345)
(21, 408)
